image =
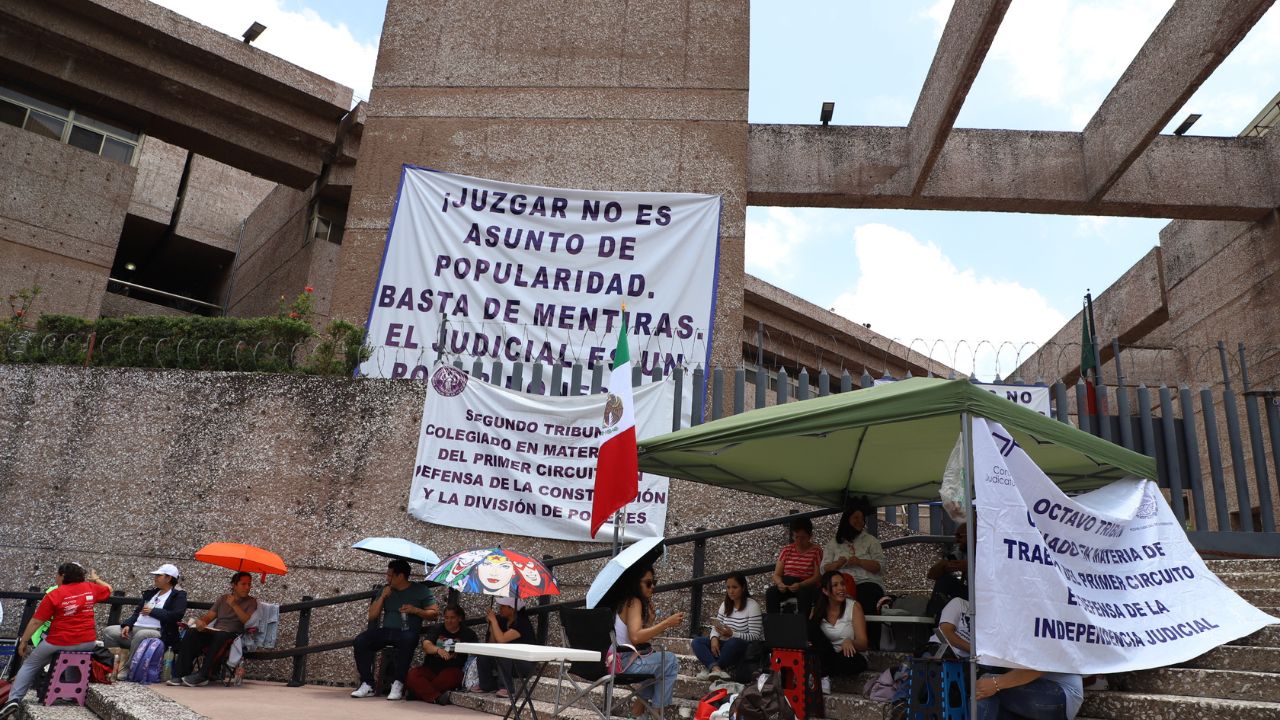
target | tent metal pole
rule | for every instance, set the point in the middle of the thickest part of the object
(971, 537)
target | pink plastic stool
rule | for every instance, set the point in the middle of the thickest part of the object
(60, 688)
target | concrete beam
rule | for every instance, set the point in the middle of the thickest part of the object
(174, 79)
(970, 29)
(1194, 37)
(1007, 171)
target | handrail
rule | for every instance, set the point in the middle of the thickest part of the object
(162, 293)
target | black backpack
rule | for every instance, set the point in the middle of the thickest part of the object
(763, 700)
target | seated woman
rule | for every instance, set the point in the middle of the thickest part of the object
(838, 631)
(441, 668)
(212, 631)
(508, 625)
(797, 572)
(859, 555)
(157, 615)
(1029, 694)
(737, 623)
(635, 624)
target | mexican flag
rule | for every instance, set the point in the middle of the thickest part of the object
(1087, 354)
(618, 464)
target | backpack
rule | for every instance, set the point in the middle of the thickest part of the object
(710, 703)
(881, 687)
(763, 700)
(147, 661)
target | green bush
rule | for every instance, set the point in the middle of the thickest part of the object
(268, 344)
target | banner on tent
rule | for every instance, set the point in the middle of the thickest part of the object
(511, 462)
(519, 273)
(1035, 397)
(1099, 583)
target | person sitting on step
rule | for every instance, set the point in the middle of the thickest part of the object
(157, 616)
(738, 623)
(441, 668)
(507, 625)
(797, 572)
(838, 631)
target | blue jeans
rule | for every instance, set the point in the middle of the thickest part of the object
(662, 665)
(731, 652)
(1039, 699)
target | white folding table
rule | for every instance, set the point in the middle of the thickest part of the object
(540, 655)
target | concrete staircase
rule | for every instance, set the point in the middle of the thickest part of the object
(1238, 681)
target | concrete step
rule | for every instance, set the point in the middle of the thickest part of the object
(1112, 705)
(1196, 682)
(1262, 565)
(1240, 580)
(1261, 597)
(1239, 657)
(1268, 636)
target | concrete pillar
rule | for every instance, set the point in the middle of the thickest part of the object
(595, 94)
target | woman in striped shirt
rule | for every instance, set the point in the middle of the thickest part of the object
(737, 623)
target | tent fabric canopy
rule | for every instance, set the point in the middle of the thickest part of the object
(889, 442)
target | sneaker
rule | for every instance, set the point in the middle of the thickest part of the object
(397, 691)
(704, 674)
(826, 686)
(443, 698)
(10, 708)
(475, 689)
(195, 681)
(363, 691)
(175, 681)
(719, 675)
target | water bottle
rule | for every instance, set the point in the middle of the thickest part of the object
(448, 645)
(404, 621)
(167, 673)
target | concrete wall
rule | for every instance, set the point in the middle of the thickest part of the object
(125, 469)
(61, 211)
(597, 94)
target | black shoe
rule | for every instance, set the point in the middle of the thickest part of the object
(443, 699)
(195, 681)
(10, 709)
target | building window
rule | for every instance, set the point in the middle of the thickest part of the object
(68, 126)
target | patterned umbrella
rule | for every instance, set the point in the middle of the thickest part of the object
(495, 571)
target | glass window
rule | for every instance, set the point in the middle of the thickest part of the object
(46, 125)
(29, 101)
(11, 114)
(103, 126)
(85, 139)
(118, 150)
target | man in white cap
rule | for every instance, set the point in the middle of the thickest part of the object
(157, 615)
(507, 625)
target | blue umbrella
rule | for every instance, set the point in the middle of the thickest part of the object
(619, 564)
(398, 548)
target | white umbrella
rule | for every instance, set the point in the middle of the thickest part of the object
(617, 565)
(394, 547)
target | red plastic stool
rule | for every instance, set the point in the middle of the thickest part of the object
(60, 688)
(799, 682)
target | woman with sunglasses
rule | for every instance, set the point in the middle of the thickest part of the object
(838, 631)
(636, 625)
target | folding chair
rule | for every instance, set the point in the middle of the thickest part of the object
(593, 630)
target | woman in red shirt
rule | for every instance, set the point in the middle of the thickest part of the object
(69, 610)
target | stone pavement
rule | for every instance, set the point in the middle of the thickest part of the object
(260, 699)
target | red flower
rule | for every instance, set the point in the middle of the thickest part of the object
(294, 315)
(19, 313)
(308, 289)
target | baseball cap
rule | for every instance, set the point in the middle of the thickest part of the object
(167, 569)
(510, 602)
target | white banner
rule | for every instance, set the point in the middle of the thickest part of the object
(1100, 583)
(530, 274)
(511, 462)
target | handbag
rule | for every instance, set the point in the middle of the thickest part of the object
(614, 661)
(470, 673)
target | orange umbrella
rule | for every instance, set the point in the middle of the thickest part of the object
(238, 557)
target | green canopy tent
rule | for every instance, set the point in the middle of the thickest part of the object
(888, 442)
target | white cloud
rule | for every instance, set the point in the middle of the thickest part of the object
(910, 291)
(1066, 55)
(773, 240)
(303, 38)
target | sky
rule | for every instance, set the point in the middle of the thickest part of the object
(946, 280)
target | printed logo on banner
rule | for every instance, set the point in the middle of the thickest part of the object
(612, 412)
(1149, 507)
(449, 381)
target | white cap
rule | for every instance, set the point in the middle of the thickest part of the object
(510, 602)
(167, 569)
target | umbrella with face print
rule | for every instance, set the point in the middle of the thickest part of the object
(495, 571)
